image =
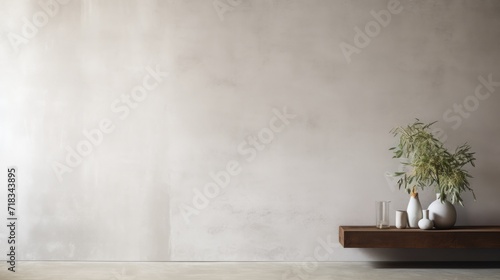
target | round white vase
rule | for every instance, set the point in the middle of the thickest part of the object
(414, 211)
(443, 214)
(425, 223)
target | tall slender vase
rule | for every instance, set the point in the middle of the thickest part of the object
(414, 210)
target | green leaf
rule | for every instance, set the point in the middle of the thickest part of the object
(430, 163)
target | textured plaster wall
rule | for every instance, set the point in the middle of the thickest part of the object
(123, 116)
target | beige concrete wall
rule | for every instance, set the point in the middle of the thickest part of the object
(234, 130)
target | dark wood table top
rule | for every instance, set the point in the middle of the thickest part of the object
(456, 237)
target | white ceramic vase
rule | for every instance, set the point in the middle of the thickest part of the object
(443, 214)
(425, 223)
(401, 219)
(414, 211)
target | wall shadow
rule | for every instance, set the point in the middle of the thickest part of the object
(436, 265)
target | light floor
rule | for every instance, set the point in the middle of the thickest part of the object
(246, 271)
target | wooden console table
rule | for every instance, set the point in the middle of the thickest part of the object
(457, 237)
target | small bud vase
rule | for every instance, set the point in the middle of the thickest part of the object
(425, 223)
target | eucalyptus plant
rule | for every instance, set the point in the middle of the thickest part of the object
(430, 163)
